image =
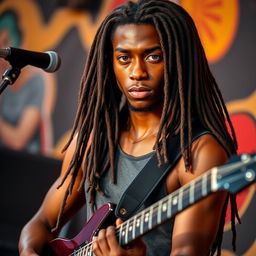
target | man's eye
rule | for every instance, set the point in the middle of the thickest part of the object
(154, 57)
(123, 58)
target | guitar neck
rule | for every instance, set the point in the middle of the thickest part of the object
(232, 177)
(166, 208)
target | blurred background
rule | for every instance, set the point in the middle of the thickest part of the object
(29, 165)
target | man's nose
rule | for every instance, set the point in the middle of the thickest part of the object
(138, 71)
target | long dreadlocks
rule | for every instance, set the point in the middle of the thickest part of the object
(189, 91)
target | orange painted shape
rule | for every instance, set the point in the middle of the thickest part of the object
(216, 21)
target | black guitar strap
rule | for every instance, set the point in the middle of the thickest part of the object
(151, 175)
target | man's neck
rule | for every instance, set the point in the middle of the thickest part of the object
(143, 121)
(139, 134)
(143, 124)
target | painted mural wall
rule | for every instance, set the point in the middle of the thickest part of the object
(227, 31)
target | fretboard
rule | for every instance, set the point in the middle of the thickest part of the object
(166, 208)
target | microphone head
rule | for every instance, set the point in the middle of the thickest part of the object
(55, 62)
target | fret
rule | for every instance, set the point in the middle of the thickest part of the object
(192, 192)
(159, 211)
(186, 197)
(146, 218)
(164, 209)
(145, 221)
(126, 231)
(175, 200)
(204, 184)
(130, 231)
(175, 203)
(150, 217)
(138, 223)
(180, 199)
(134, 226)
(214, 184)
(121, 234)
(141, 222)
(198, 189)
(169, 211)
(154, 215)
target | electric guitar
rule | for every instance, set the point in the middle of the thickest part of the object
(234, 176)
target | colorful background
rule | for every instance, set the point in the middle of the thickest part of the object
(227, 31)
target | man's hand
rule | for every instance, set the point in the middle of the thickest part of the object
(105, 244)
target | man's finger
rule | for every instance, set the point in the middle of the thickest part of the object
(102, 241)
(119, 222)
(112, 240)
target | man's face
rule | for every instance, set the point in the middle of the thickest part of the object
(138, 64)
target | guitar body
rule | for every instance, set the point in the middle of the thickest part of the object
(102, 218)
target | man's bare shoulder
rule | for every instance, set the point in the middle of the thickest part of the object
(207, 153)
(206, 149)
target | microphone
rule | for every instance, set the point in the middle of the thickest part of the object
(48, 61)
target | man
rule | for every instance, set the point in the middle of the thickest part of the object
(146, 79)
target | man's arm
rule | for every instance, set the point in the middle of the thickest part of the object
(195, 228)
(37, 232)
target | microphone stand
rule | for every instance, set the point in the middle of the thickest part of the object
(9, 77)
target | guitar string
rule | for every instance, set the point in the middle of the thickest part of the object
(155, 206)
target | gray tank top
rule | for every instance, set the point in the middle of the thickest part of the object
(127, 167)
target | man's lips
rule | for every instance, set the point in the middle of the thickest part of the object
(139, 92)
